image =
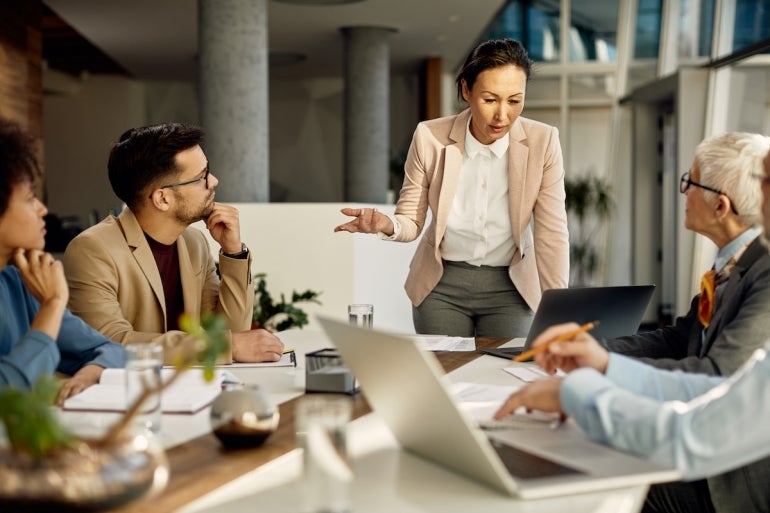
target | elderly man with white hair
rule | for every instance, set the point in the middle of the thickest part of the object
(706, 426)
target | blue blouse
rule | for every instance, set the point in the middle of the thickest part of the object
(27, 354)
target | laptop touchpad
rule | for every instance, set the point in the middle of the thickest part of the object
(524, 465)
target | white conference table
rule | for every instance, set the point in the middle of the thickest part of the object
(386, 478)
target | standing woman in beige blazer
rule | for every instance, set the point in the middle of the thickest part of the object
(494, 182)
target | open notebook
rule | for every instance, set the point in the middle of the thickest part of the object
(188, 394)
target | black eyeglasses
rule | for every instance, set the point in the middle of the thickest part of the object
(685, 183)
(205, 179)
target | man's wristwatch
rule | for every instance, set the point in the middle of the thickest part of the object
(242, 254)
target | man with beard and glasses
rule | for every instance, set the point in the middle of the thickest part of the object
(714, 429)
(133, 275)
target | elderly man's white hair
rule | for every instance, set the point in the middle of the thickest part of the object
(728, 162)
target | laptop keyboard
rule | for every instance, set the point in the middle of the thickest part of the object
(524, 465)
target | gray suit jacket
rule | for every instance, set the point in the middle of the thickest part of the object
(741, 324)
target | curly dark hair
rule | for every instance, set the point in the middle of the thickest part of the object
(18, 161)
(147, 155)
(492, 54)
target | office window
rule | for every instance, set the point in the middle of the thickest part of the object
(593, 30)
(533, 22)
(696, 26)
(647, 37)
(752, 22)
(643, 67)
(749, 99)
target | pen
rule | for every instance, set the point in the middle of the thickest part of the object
(561, 338)
(285, 351)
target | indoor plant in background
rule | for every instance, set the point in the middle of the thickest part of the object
(282, 315)
(589, 200)
(45, 467)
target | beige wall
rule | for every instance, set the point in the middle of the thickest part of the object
(295, 245)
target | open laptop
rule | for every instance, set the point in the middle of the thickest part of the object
(619, 311)
(407, 387)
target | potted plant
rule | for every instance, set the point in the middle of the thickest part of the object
(282, 315)
(45, 467)
(590, 202)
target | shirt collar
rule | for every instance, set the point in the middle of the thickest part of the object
(473, 147)
(734, 246)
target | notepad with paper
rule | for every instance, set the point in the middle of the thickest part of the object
(189, 393)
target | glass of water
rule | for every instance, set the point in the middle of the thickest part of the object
(361, 315)
(321, 422)
(143, 372)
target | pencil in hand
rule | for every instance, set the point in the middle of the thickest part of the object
(526, 355)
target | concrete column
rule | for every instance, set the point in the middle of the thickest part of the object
(367, 115)
(233, 82)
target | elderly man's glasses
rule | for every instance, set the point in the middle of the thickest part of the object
(205, 179)
(685, 183)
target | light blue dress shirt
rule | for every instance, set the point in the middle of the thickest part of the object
(27, 354)
(701, 425)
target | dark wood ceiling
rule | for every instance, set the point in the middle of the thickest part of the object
(64, 49)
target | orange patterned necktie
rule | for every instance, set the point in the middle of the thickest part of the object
(707, 295)
(708, 290)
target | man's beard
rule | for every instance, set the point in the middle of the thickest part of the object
(186, 216)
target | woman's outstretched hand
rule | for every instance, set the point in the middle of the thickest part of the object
(367, 220)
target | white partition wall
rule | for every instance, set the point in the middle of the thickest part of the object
(295, 245)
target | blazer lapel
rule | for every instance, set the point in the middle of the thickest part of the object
(453, 162)
(143, 255)
(730, 292)
(518, 154)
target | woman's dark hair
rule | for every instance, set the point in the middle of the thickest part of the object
(18, 162)
(492, 54)
(146, 155)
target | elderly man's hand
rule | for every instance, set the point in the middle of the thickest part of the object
(580, 351)
(541, 395)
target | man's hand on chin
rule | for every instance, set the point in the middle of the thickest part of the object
(224, 225)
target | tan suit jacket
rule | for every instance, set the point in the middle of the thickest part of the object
(115, 285)
(535, 193)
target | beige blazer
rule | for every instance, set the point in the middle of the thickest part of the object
(116, 288)
(535, 192)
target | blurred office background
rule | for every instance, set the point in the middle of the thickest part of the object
(315, 101)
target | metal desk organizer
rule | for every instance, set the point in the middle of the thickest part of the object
(326, 372)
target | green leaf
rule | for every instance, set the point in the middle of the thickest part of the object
(283, 314)
(30, 423)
